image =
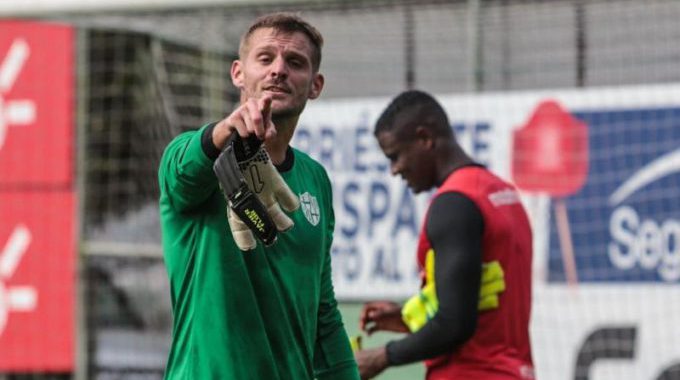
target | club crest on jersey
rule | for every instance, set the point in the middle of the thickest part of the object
(310, 207)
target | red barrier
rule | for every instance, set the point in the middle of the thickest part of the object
(37, 199)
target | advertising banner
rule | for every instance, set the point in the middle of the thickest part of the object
(37, 288)
(36, 104)
(37, 199)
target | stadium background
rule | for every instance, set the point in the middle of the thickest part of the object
(149, 70)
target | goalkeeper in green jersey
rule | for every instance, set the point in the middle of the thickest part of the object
(249, 269)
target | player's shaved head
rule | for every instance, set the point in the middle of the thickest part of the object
(412, 109)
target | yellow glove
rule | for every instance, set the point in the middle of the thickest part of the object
(355, 343)
(493, 283)
(420, 308)
(423, 306)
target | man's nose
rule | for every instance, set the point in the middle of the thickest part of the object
(279, 68)
(395, 168)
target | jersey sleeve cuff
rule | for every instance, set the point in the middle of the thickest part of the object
(209, 148)
(393, 355)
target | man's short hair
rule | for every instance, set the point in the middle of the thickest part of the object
(287, 23)
(411, 109)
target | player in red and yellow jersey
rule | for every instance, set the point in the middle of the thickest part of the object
(470, 319)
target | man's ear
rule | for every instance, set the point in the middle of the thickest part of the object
(237, 74)
(317, 86)
(425, 137)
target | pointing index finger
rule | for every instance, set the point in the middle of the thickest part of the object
(266, 108)
(265, 105)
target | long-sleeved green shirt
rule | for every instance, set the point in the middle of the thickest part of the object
(265, 314)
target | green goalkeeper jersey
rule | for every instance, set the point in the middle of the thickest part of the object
(266, 314)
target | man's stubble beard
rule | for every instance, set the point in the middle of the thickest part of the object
(282, 116)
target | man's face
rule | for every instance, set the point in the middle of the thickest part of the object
(412, 160)
(278, 64)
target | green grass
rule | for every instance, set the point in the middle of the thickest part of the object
(350, 316)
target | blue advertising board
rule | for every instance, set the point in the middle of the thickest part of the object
(625, 221)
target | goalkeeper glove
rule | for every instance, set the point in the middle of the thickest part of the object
(265, 181)
(260, 176)
(243, 204)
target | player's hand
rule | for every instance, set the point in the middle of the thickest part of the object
(371, 362)
(253, 117)
(381, 316)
